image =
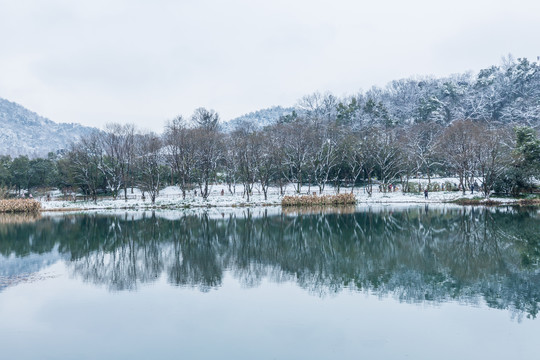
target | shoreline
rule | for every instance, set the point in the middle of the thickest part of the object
(170, 198)
(90, 206)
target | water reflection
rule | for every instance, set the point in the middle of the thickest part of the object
(414, 254)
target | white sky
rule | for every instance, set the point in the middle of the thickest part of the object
(98, 61)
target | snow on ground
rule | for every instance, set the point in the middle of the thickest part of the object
(171, 198)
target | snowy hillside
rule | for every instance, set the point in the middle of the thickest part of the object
(24, 132)
(260, 118)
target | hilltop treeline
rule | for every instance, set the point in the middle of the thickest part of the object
(480, 129)
(507, 94)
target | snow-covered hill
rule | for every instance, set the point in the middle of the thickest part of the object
(23, 132)
(259, 119)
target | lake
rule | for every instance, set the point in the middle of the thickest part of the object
(382, 282)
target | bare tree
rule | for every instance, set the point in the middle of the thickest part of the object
(149, 161)
(207, 148)
(266, 159)
(369, 145)
(457, 146)
(297, 146)
(319, 107)
(127, 156)
(180, 151)
(275, 158)
(493, 155)
(248, 152)
(117, 155)
(84, 158)
(324, 156)
(231, 162)
(386, 155)
(410, 161)
(206, 119)
(354, 156)
(420, 144)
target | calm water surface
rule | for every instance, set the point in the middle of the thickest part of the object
(385, 283)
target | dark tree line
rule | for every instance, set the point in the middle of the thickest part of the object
(22, 173)
(480, 129)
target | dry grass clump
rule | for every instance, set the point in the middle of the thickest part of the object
(315, 200)
(19, 205)
(480, 202)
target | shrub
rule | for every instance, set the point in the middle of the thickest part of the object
(448, 186)
(412, 187)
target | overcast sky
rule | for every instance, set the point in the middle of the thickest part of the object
(99, 61)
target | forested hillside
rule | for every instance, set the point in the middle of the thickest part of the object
(259, 118)
(508, 93)
(24, 132)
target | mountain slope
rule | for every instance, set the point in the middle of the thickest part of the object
(23, 132)
(259, 119)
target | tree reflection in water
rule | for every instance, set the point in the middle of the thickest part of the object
(414, 254)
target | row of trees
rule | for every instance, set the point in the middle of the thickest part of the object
(195, 153)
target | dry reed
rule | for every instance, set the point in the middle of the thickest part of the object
(19, 205)
(477, 202)
(314, 200)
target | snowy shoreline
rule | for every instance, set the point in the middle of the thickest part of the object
(170, 198)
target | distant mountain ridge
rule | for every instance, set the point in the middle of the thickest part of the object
(23, 132)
